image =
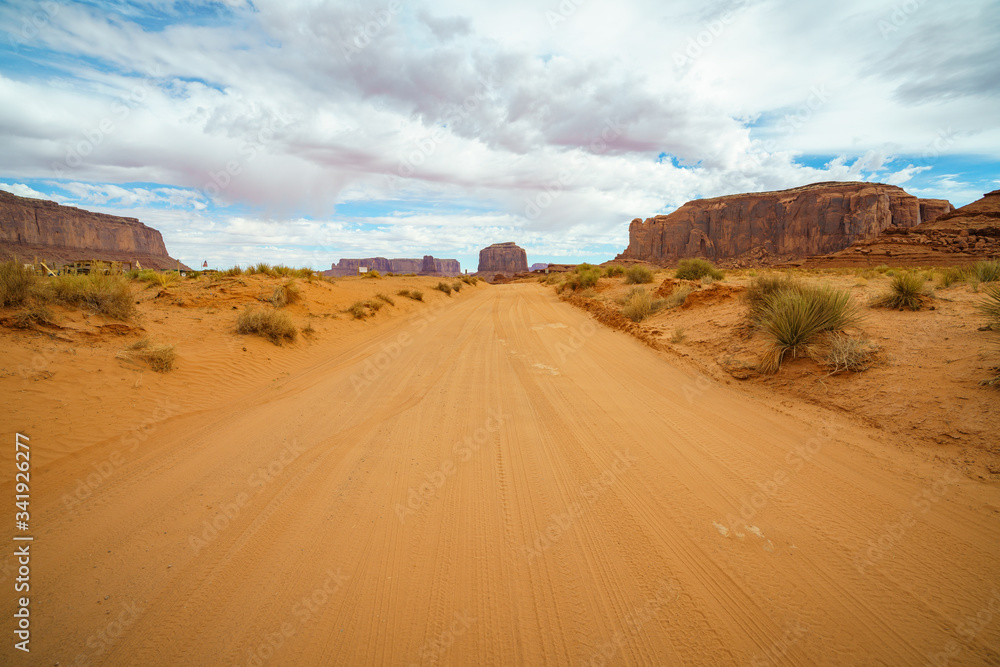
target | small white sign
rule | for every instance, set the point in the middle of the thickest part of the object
(362, 269)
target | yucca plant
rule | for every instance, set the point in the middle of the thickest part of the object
(904, 291)
(793, 317)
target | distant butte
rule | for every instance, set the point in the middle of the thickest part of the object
(507, 258)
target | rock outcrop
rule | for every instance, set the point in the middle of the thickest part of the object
(782, 225)
(957, 238)
(932, 209)
(428, 266)
(506, 258)
(47, 230)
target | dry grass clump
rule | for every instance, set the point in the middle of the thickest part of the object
(357, 310)
(385, 298)
(107, 295)
(16, 283)
(470, 280)
(32, 315)
(613, 270)
(638, 275)
(444, 287)
(582, 277)
(695, 268)
(414, 294)
(457, 286)
(678, 296)
(160, 357)
(638, 304)
(272, 324)
(842, 353)
(678, 336)
(951, 276)
(792, 318)
(287, 294)
(905, 291)
(372, 275)
(231, 273)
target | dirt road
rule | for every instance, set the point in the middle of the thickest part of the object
(508, 483)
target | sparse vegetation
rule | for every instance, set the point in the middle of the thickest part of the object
(985, 271)
(160, 357)
(232, 273)
(272, 324)
(373, 275)
(764, 287)
(849, 353)
(678, 336)
(951, 276)
(457, 286)
(793, 317)
(638, 275)
(583, 276)
(613, 270)
(416, 295)
(373, 305)
(32, 315)
(695, 268)
(16, 283)
(357, 310)
(107, 295)
(470, 280)
(285, 295)
(444, 287)
(639, 304)
(905, 291)
(678, 296)
(385, 298)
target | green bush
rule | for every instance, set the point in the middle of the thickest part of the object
(904, 291)
(985, 271)
(16, 283)
(274, 325)
(613, 270)
(793, 317)
(638, 274)
(696, 268)
(762, 288)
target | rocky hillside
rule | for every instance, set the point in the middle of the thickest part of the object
(765, 227)
(39, 228)
(428, 266)
(957, 238)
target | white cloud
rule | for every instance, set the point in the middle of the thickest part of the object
(22, 190)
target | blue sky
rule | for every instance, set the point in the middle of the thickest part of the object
(301, 132)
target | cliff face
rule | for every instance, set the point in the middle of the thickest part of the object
(426, 266)
(507, 258)
(809, 220)
(954, 238)
(35, 227)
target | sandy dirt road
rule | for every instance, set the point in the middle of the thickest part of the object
(508, 483)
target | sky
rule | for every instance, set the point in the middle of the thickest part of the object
(300, 131)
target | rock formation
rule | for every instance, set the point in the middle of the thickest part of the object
(787, 224)
(956, 238)
(932, 209)
(428, 266)
(506, 258)
(538, 266)
(39, 228)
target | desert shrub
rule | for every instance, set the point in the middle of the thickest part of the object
(793, 317)
(416, 295)
(31, 315)
(403, 292)
(457, 286)
(372, 275)
(233, 272)
(985, 271)
(989, 305)
(16, 283)
(613, 270)
(678, 296)
(638, 275)
(308, 329)
(470, 280)
(164, 279)
(287, 294)
(882, 269)
(849, 353)
(444, 287)
(678, 336)
(373, 305)
(904, 291)
(951, 276)
(385, 298)
(583, 276)
(357, 310)
(639, 304)
(761, 289)
(261, 268)
(107, 295)
(283, 271)
(274, 325)
(160, 357)
(695, 268)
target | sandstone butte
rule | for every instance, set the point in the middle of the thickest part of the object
(428, 266)
(506, 258)
(767, 227)
(51, 232)
(957, 238)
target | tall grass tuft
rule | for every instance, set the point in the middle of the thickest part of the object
(904, 291)
(985, 271)
(695, 268)
(613, 270)
(444, 287)
(285, 295)
(989, 305)
(274, 325)
(638, 274)
(107, 295)
(385, 298)
(793, 317)
(16, 283)
(639, 304)
(762, 288)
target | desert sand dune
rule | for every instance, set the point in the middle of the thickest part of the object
(510, 483)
